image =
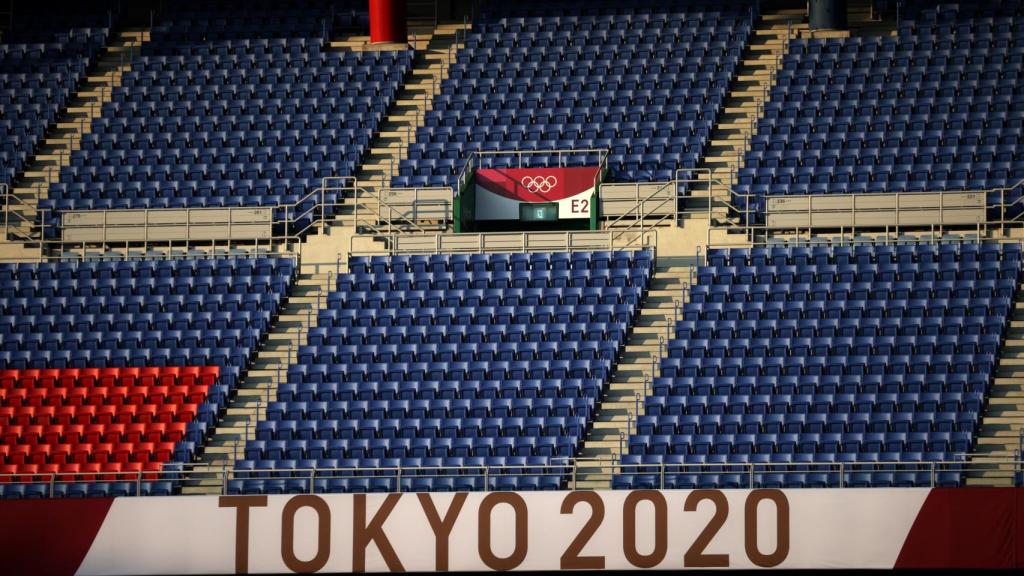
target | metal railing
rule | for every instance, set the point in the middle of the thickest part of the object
(664, 203)
(163, 224)
(1004, 208)
(661, 203)
(424, 211)
(560, 473)
(416, 210)
(471, 243)
(17, 225)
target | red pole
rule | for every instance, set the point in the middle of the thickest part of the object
(387, 21)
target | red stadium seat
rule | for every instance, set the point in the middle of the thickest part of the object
(72, 433)
(19, 454)
(40, 454)
(61, 453)
(9, 435)
(6, 470)
(90, 469)
(45, 415)
(31, 434)
(104, 414)
(76, 396)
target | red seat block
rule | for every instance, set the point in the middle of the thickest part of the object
(125, 421)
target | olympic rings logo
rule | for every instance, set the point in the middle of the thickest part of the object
(539, 184)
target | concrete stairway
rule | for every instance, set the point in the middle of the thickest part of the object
(270, 367)
(623, 399)
(1003, 419)
(66, 136)
(742, 108)
(435, 50)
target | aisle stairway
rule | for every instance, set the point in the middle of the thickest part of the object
(742, 107)
(1002, 422)
(66, 136)
(269, 368)
(637, 366)
(435, 50)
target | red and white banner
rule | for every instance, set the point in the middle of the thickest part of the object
(827, 528)
(500, 191)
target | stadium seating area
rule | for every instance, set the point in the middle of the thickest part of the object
(802, 356)
(122, 366)
(645, 82)
(938, 107)
(42, 59)
(232, 109)
(484, 371)
(443, 361)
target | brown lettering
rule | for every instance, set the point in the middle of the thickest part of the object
(363, 534)
(484, 530)
(781, 527)
(323, 547)
(571, 559)
(695, 556)
(660, 528)
(442, 527)
(242, 504)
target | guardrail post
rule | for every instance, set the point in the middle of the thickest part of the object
(224, 478)
(636, 408)
(661, 480)
(138, 484)
(486, 478)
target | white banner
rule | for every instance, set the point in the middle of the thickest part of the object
(502, 530)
